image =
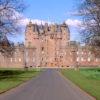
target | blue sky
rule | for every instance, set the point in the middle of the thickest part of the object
(56, 11)
(52, 10)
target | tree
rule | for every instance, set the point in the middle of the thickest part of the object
(90, 12)
(9, 17)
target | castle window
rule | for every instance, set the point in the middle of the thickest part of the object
(77, 59)
(42, 52)
(89, 59)
(42, 40)
(96, 60)
(82, 59)
(29, 44)
(20, 60)
(11, 59)
(42, 48)
(42, 59)
(55, 59)
(77, 52)
(51, 37)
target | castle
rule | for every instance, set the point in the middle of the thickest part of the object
(49, 46)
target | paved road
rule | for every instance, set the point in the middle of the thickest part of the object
(50, 85)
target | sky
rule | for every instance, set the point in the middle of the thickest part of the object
(52, 10)
(56, 11)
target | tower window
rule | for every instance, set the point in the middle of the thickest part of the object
(29, 44)
(51, 37)
(42, 48)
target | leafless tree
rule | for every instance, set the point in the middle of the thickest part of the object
(9, 17)
(89, 10)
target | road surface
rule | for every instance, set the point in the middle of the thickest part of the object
(50, 85)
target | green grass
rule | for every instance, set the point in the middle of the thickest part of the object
(86, 79)
(14, 77)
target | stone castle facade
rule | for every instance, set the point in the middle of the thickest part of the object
(49, 46)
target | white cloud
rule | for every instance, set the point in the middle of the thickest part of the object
(25, 21)
(73, 22)
(70, 22)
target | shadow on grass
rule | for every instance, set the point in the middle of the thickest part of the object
(12, 74)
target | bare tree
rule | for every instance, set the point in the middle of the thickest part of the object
(90, 12)
(9, 17)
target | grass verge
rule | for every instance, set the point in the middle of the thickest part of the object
(86, 79)
(12, 78)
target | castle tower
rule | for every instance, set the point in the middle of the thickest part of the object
(32, 44)
(31, 33)
(64, 44)
(50, 43)
(65, 32)
(46, 29)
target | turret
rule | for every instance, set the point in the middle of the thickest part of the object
(53, 28)
(65, 33)
(46, 28)
(32, 28)
(36, 29)
(29, 27)
(64, 27)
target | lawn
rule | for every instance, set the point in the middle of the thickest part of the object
(86, 79)
(14, 77)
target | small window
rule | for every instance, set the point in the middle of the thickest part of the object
(55, 59)
(29, 44)
(19, 59)
(82, 59)
(77, 52)
(42, 48)
(96, 60)
(89, 59)
(42, 59)
(51, 37)
(11, 59)
(42, 52)
(77, 59)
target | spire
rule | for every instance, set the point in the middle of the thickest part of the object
(30, 22)
(46, 27)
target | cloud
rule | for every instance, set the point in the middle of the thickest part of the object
(25, 21)
(73, 22)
